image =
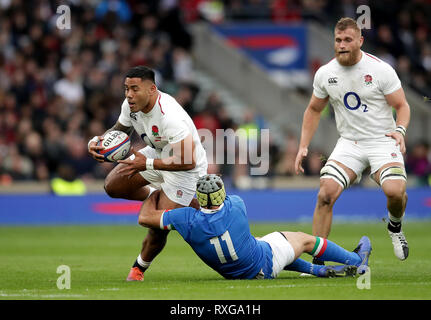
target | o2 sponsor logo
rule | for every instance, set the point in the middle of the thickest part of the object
(354, 106)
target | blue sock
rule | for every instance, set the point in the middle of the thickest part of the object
(304, 267)
(327, 250)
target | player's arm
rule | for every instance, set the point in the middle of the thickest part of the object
(92, 144)
(119, 127)
(398, 101)
(182, 159)
(149, 216)
(310, 123)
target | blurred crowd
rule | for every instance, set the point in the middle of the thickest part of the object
(400, 30)
(400, 34)
(60, 87)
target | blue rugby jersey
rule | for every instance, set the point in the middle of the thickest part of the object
(222, 239)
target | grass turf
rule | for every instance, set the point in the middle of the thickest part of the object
(100, 257)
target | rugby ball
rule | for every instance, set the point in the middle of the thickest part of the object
(116, 146)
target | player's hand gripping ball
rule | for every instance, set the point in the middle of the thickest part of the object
(116, 146)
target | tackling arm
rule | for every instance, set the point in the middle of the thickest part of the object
(149, 216)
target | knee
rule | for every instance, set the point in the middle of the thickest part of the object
(307, 241)
(396, 193)
(112, 189)
(142, 219)
(326, 198)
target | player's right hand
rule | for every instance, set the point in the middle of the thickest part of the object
(399, 138)
(93, 150)
(302, 153)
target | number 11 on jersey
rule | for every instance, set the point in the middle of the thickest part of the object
(216, 243)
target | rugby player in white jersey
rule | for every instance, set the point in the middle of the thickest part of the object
(362, 89)
(173, 159)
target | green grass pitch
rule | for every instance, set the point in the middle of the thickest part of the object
(100, 257)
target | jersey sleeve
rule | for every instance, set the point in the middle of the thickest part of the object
(389, 81)
(176, 130)
(319, 89)
(124, 117)
(177, 219)
(238, 202)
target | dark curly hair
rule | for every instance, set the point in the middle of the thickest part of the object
(142, 72)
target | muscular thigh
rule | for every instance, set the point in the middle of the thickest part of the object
(180, 186)
(282, 250)
(376, 175)
(383, 154)
(295, 241)
(350, 156)
(391, 186)
(330, 187)
(124, 186)
(118, 183)
(166, 203)
(352, 175)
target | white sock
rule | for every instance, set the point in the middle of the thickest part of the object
(142, 263)
(395, 219)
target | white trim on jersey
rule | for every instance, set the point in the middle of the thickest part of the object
(211, 211)
(162, 226)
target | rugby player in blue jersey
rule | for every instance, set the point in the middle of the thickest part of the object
(219, 233)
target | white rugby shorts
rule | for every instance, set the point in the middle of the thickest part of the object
(179, 186)
(282, 251)
(359, 155)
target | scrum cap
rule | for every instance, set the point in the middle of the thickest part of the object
(210, 191)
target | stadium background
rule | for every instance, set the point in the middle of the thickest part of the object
(59, 88)
(231, 64)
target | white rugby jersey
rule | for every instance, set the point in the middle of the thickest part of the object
(166, 123)
(357, 94)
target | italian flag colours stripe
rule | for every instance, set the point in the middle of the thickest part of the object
(319, 247)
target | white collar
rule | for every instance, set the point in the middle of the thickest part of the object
(211, 211)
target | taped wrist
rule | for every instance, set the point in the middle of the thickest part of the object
(149, 164)
(401, 130)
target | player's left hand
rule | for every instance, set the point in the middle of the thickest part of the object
(139, 163)
(399, 138)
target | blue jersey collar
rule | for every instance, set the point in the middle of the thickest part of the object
(211, 211)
